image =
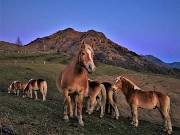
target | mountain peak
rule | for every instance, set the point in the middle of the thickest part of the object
(69, 29)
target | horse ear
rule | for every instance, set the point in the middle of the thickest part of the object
(93, 45)
(82, 45)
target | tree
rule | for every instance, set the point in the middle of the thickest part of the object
(19, 42)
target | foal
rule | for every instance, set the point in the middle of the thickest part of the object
(73, 80)
(36, 85)
(96, 94)
(137, 98)
(16, 86)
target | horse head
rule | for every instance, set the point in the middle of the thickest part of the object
(118, 83)
(85, 57)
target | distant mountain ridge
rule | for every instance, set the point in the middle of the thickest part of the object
(106, 51)
(160, 62)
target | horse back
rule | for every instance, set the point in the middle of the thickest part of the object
(93, 85)
(17, 85)
(94, 88)
(108, 86)
(40, 82)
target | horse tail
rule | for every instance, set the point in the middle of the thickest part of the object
(58, 81)
(103, 92)
(45, 87)
(168, 104)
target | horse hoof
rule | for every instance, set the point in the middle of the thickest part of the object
(101, 116)
(81, 124)
(66, 118)
(169, 132)
(135, 125)
(71, 116)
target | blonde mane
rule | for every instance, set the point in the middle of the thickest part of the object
(135, 86)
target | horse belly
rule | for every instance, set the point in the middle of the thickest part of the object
(35, 87)
(147, 105)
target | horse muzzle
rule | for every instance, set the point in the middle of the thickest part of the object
(90, 68)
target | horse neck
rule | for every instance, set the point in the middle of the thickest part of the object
(75, 66)
(127, 89)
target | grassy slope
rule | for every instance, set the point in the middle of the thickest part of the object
(27, 116)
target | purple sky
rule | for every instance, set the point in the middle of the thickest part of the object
(143, 26)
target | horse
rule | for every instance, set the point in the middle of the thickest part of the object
(111, 100)
(96, 97)
(16, 86)
(138, 98)
(74, 79)
(35, 85)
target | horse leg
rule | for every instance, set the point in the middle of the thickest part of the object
(76, 102)
(80, 102)
(88, 104)
(43, 92)
(70, 106)
(98, 103)
(113, 104)
(17, 92)
(30, 93)
(103, 100)
(36, 97)
(134, 113)
(102, 110)
(93, 104)
(167, 119)
(67, 99)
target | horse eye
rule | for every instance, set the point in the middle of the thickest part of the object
(83, 53)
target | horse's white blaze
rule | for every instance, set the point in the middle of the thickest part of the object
(91, 60)
(89, 52)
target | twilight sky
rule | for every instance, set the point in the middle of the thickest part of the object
(143, 26)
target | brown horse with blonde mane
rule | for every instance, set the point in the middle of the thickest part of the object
(16, 86)
(74, 80)
(138, 98)
(35, 85)
(96, 95)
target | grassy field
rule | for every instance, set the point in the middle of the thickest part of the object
(24, 116)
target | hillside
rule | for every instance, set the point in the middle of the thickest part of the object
(106, 51)
(22, 116)
(161, 63)
(9, 47)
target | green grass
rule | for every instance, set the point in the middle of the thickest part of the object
(24, 116)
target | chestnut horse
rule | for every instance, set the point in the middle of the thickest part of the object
(36, 85)
(74, 79)
(16, 86)
(111, 101)
(96, 94)
(138, 98)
